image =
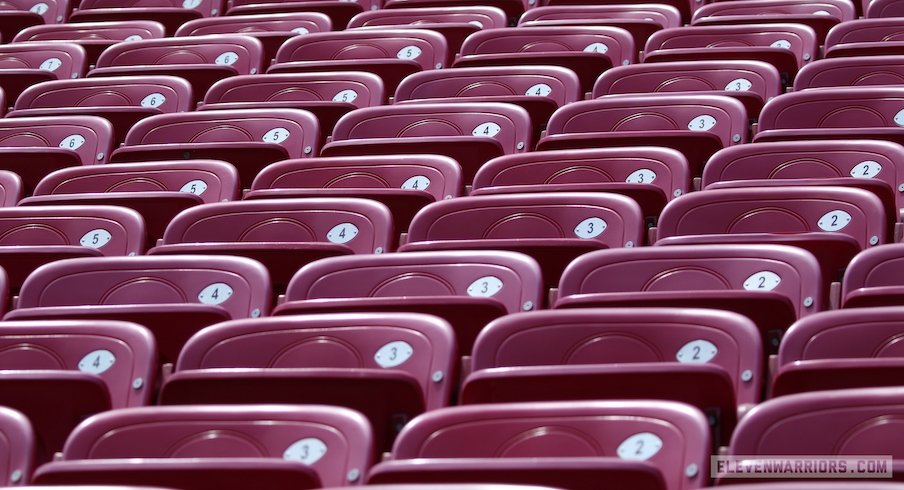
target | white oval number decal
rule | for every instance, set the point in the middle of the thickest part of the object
(739, 85)
(866, 170)
(196, 187)
(596, 48)
(539, 90)
(51, 64)
(97, 362)
(308, 451)
(393, 354)
(215, 294)
(342, 233)
(418, 183)
(153, 100)
(409, 53)
(639, 447)
(133, 37)
(276, 135)
(39, 8)
(347, 95)
(488, 129)
(228, 58)
(899, 117)
(590, 228)
(72, 142)
(834, 220)
(702, 123)
(781, 43)
(762, 281)
(697, 352)
(476, 23)
(301, 31)
(485, 287)
(641, 176)
(191, 4)
(96, 238)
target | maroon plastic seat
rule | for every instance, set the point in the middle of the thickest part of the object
(770, 284)
(156, 190)
(695, 125)
(751, 82)
(94, 37)
(865, 37)
(454, 23)
(464, 486)
(18, 15)
(672, 437)
(851, 71)
(35, 146)
(17, 447)
(272, 30)
(391, 54)
(282, 234)
(249, 139)
(191, 448)
(11, 190)
(841, 349)
(639, 20)
(551, 227)
(388, 366)
(511, 8)
(466, 288)
(786, 46)
(883, 9)
(173, 296)
(404, 183)
(33, 236)
(471, 134)
(832, 423)
(25, 64)
(873, 278)
(170, 13)
(540, 90)
(327, 95)
(587, 51)
(710, 359)
(57, 373)
(338, 11)
(820, 15)
(200, 60)
(651, 176)
(121, 100)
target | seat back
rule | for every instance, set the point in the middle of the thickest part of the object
(236, 285)
(113, 32)
(872, 272)
(664, 15)
(254, 25)
(331, 440)
(613, 42)
(479, 16)
(672, 436)
(851, 71)
(111, 231)
(244, 54)
(419, 345)
(61, 60)
(17, 447)
(164, 93)
(11, 188)
(89, 137)
(866, 31)
(48, 11)
(855, 107)
(842, 10)
(122, 354)
(204, 8)
(426, 48)
(861, 333)
(356, 89)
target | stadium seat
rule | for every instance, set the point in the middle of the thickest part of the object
(281, 234)
(587, 51)
(640, 20)
(695, 125)
(327, 95)
(621, 353)
(466, 288)
(851, 71)
(873, 278)
(200, 60)
(865, 37)
(486, 443)
(820, 15)
(249, 139)
(840, 349)
(33, 236)
(540, 90)
(11, 191)
(21, 14)
(391, 54)
(25, 64)
(338, 11)
(651, 176)
(404, 183)
(170, 13)
(388, 366)
(173, 296)
(471, 134)
(551, 227)
(123, 101)
(883, 9)
(751, 82)
(512, 8)
(788, 47)
(57, 373)
(454, 23)
(94, 37)
(156, 190)
(272, 30)
(17, 448)
(195, 447)
(772, 285)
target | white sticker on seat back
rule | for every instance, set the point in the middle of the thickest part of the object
(488, 129)
(739, 85)
(96, 362)
(867, 169)
(485, 287)
(96, 238)
(639, 447)
(409, 53)
(703, 122)
(51, 64)
(697, 352)
(153, 100)
(72, 142)
(342, 233)
(196, 187)
(762, 281)
(215, 294)
(834, 220)
(590, 228)
(393, 354)
(308, 451)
